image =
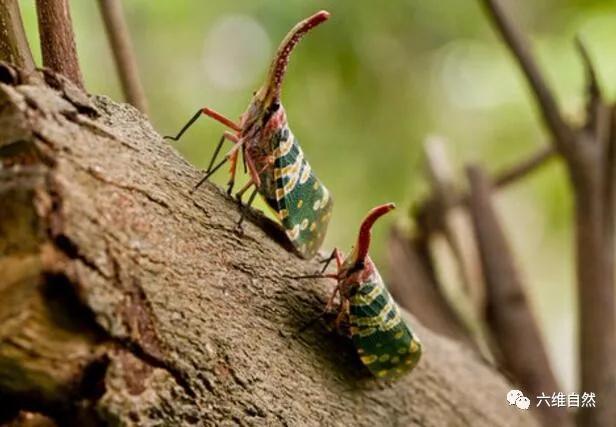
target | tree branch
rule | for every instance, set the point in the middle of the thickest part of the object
(123, 53)
(524, 167)
(519, 47)
(584, 151)
(429, 213)
(457, 232)
(508, 314)
(594, 99)
(178, 320)
(14, 47)
(57, 39)
(414, 287)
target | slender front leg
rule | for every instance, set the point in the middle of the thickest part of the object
(210, 113)
(330, 301)
(211, 170)
(337, 255)
(226, 135)
(253, 171)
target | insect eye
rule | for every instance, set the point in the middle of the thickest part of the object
(275, 106)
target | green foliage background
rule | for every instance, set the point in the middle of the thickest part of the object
(362, 93)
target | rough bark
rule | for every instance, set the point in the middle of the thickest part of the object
(14, 47)
(127, 300)
(57, 39)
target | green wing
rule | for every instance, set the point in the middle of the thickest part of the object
(301, 201)
(383, 341)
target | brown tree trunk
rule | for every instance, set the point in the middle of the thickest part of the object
(126, 300)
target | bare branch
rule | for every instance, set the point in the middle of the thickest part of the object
(123, 53)
(455, 228)
(508, 313)
(57, 39)
(524, 167)
(593, 91)
(14, 46)
(414, 286)
(519, 47)
(429, 212)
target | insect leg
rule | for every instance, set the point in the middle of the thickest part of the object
(226, 135)
(253, 171)
(210, 113)
(192, 120)
(245, 208)
(330, 301)
(232, 156)
(317, 276)
(232, 169)
(210, 173)
(342, 313)
(242, 190)
(336, 254)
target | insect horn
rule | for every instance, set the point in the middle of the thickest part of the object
(365, 234)
(281, 60)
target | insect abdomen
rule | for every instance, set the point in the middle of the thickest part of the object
(303, 204)
(384, 342)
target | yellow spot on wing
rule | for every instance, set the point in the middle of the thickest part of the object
(369, 359)
(414, 346)
(395, 360)
(316, 185)
(294, 232)
(382, 373)
(384, 358)
(282, 214)
(304, 224)
(399, 335)
(300, 204)
(402, 350)
(313, 226)
(305, 174)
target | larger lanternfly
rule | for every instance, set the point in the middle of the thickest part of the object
(275, 161)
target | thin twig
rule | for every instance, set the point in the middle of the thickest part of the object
(123, 53)
(525, 166)
(519, 46)
(455, 229)
(610, 197)
(508, 314)
(14, 47)
(583, 152)
(57, 39)
(593, 91)
(430, 212)
(415, 287)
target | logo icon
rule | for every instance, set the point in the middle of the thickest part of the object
(517, 398)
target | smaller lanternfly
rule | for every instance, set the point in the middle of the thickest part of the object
(384, 342)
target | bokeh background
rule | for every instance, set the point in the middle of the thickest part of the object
(362, 93)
